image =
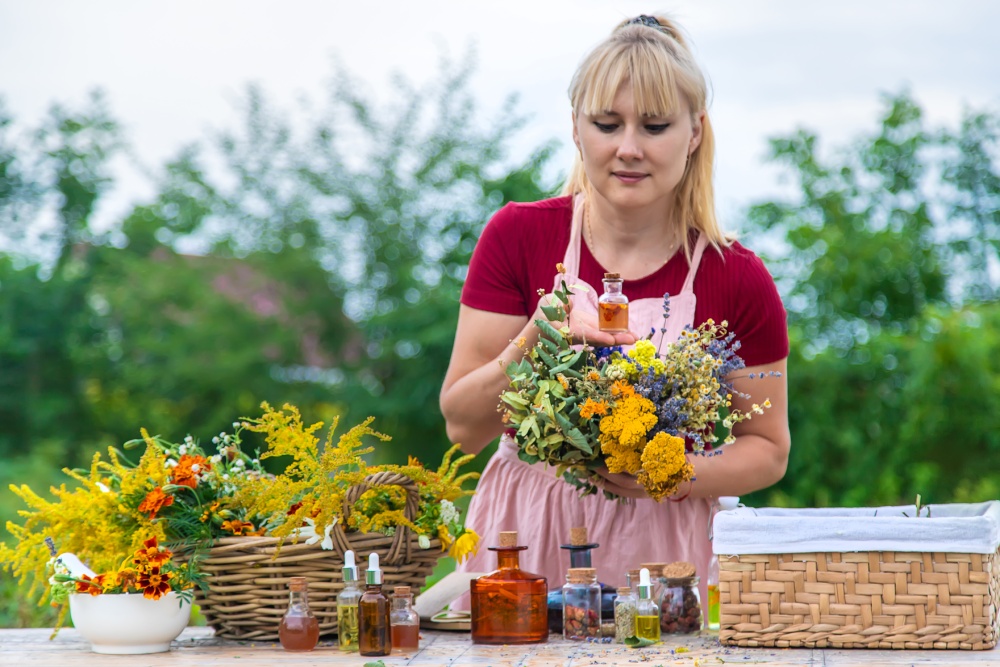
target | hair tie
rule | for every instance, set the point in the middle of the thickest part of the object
(643, 19)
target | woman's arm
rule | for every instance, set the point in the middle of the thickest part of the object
(759, 456)
(485, 343)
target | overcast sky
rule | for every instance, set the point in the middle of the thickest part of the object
(175, 70)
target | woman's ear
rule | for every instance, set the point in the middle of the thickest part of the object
(576, 135)
(697, 124)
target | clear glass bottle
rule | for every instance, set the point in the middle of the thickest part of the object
(612, 306)
(373, 614)
(404, 622)
(580, 548)
(347, 606)
(680, 608)
(509, 604)
(625, 612)
(299, 629)
(647, 612)
(712, 617)
(581, 604)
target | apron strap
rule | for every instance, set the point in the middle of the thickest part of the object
(699, 250)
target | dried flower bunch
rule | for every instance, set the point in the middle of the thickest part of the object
(182, 496)
(580, 409)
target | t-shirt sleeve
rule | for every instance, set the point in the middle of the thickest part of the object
(760, 322)
(491, 283)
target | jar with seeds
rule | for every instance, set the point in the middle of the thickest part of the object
(581, 604)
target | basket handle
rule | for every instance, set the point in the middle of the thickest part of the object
(399, 550)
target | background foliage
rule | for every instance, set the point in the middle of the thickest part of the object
(317, 258)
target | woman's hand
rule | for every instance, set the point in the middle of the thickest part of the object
(583, 327)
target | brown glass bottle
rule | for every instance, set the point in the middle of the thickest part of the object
(509, 604)
(373, 614)
(299, 629)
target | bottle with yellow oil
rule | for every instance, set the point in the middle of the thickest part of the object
(647, 611)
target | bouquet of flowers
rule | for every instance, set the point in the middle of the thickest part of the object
(181, 495)
(580, 409)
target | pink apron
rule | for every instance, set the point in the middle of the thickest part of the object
(513, 495)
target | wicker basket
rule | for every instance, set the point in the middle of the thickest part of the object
(863, 599)
(248, 576)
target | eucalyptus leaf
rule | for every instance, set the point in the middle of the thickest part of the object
(638, 642)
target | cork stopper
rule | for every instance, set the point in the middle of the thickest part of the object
(401, 591)
(508, 538)
(578, 536)
(655, 569)
(678, 570)
(612, 276)
(581, 575)
(297, 584)
(625, 590)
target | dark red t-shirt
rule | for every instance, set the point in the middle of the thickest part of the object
(520, 246)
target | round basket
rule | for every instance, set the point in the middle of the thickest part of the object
(248, 576)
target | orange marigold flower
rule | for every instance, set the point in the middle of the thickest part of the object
(151, 553)
(154, 584)
(154, 501)
(592, 407)
(185, 473)
(94, 586)
(237, 527)
(126, 578)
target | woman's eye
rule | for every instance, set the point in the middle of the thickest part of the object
(606, 127)
(657, 128)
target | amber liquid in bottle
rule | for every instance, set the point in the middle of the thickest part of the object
(373, 622)
(612, 306)
(509, 605)
(299, 629)
(405, 638)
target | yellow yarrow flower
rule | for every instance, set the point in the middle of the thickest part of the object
(623, 432)
(664, 466)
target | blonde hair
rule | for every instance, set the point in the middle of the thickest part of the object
(660, 67)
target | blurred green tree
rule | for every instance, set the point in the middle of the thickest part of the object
(887, 261)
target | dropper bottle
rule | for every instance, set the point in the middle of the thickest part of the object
(347, 606)
(647, 618)
(373, 613)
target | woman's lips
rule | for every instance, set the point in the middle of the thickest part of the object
(629, 176)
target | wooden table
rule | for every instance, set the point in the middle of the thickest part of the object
(197, 647)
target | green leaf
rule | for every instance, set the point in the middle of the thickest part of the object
(374, 663)
(638, 642)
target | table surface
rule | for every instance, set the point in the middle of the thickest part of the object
(197, 646)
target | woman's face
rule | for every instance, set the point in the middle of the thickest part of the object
(635, 161)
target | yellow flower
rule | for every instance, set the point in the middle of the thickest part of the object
(623, 432)
(664, 466)
(466, 544)
(445, 537)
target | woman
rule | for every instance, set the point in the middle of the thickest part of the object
(638, 202)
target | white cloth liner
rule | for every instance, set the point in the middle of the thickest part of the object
(951, 528)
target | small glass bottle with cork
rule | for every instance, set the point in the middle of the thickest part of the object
(625, 612)
(612, 306)
(299, 629)
(680, 603)
(509, 604)
(581, 604)
(580, 550)
(404, 622)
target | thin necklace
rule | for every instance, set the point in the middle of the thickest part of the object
(589, 233)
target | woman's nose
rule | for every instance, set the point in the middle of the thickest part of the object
(629, 149)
